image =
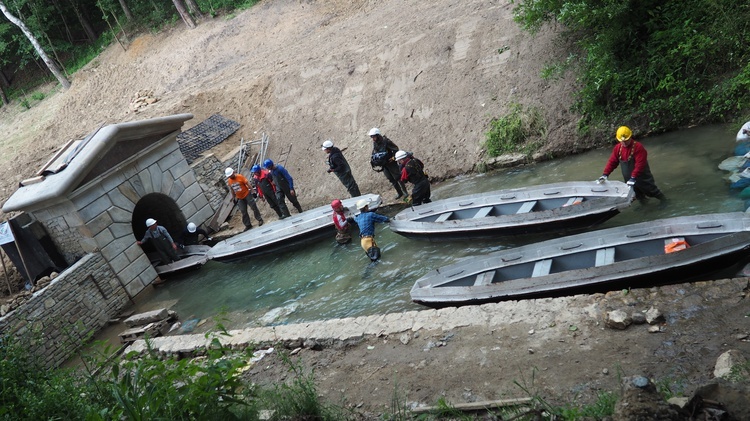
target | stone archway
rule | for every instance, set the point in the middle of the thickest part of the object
(162, 208)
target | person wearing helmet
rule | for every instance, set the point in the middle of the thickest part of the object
(383, 160)
(159, 238)
(284, 183)
(366, 221)
(191, 235)
(267, 191)
(342, 222)
(337, 164)
(412, 170)
(241, 190)
(632, 158)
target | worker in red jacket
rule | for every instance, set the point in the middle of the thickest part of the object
(342, 222)
(631, 156)
(267, 191)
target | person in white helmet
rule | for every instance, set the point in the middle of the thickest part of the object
(191, 235)
(243, 195)
(337, 164)
(159, 237)
(412, 170)
(383, 160)
(366, 221)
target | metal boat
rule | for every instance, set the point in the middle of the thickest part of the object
(191, 258)
(287, 233)
(657, 252)
(559, 207)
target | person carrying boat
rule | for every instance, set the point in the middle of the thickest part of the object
(241, 189)
(631, 156)
(366, 221)
(267, 191)
(412, 170)
(191, 235)
(159, 237)
(284, 183)
(383, 160)
(342, 222)
(337, 164)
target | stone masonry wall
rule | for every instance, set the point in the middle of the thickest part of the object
(76, 304)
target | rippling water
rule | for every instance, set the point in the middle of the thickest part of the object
(326, 280)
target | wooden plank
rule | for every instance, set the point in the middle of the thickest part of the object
(542, 268)
(483, 212)
(485, 278)
(573, 201)
(444, 217)
(222, 214)
(605, 256)
(476, 406)
(527, 207)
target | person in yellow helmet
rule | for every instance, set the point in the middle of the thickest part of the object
(632, 158)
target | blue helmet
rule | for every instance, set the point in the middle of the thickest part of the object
(255, 168)
(268, 163)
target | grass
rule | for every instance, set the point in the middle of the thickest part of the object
(521, 130)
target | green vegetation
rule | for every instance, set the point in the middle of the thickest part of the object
(652, 65)
(521, 130)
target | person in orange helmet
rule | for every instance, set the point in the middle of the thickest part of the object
(632, 158)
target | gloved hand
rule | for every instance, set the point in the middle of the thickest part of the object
(631, 182)
(329, 170)
(601, 179)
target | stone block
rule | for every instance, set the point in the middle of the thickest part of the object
(156, 175)
(118, 214)
(122, 230)
(189, 194)
(147, 317)
(87, 196)
(122, 200)
(117, 246)
(135, 286)
(89, 211)
(99, 223)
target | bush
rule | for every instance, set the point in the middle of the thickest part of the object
(521, 130)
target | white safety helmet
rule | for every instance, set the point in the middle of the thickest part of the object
(361, 204)
(150, 221)
(228, 172)
(400, 155)
(327, 144)
(191, 227)
(374, 131)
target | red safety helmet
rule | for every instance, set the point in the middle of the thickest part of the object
(336, 204)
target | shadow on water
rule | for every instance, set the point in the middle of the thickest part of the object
(326, 280)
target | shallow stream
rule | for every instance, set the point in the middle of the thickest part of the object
(326, 280)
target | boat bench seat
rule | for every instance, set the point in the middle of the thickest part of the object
(527, 207)
(483, 212)
(605, 256)
(573, 201)
(444, 217)
(542, 268)
(484, 278)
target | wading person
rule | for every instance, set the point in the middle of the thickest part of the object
(366, 221)
(159, 237)
(383, 160)
(241, 189)
(337, 164)
(267, 191)
(632, 158)
(191, 235)
(284, 183)
(342, 222)
(412, 170)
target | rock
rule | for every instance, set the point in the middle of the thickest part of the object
(654, 316)
(734, 398)
(618, 319)
(312, 344)
(641, 401)
(638, 318)
(405, 338)
(507, 160)
(4, 309)
(730, 364)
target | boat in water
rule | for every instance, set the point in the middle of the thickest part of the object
(663, 251)
(559, 207)
(191, 258)
(286, 233)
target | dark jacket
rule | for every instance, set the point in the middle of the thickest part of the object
(337, 162)
(383, 151)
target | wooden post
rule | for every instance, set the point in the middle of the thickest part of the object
(5, 270)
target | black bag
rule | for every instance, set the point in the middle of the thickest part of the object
(379, 159)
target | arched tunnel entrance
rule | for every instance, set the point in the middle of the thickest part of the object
(162, 208)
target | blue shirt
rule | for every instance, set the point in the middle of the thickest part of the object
(366, 222)
(278, 170)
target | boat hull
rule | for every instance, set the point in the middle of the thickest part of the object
(191, 258)
(587, 263)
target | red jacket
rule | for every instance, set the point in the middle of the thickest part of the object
(260, 179)
(621, 152)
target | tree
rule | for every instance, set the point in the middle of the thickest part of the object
(194, 9)
(126, 10)
(182, 10)
(51, 65)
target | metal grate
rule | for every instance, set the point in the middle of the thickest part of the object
(205, 135)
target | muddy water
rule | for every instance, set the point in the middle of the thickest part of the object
(327, 280)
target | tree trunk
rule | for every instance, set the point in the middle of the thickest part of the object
(184, 13)
(85, 24)
(4, 84)
(64, 21)
(194, 9)
(48, 61)
(126, 10)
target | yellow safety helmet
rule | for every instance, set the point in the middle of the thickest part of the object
(623, 133)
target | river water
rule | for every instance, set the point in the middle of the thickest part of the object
(326, 280)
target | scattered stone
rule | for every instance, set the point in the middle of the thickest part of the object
(531, 351)
(641, 401)
(405, 338)
(638, 318)
(741, 336)
(147, 317)
(295, 351)
(654, 316)
(4, 309)
(618, 319)
(654, 329)
(605, 371)
(730, 363)
(680, 401)
(312, 344)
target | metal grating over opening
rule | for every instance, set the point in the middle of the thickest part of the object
(205, 135)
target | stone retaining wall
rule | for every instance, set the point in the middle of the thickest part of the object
(58, 319)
